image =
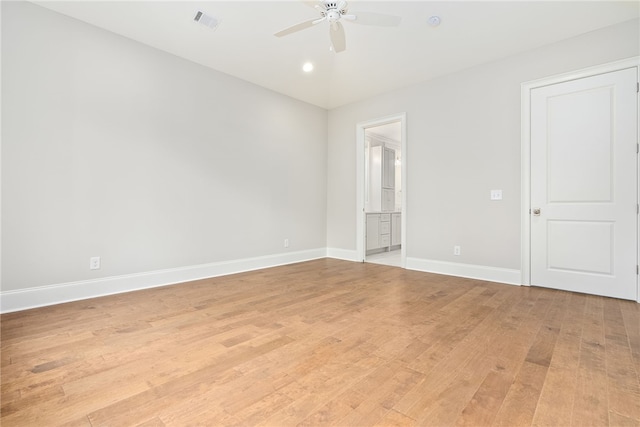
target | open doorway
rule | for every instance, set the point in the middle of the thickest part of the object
(381, 147)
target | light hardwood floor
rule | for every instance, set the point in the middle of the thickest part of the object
(325, 342)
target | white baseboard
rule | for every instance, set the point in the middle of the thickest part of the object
(66, 292)
(344, 254)
(480, 272)
(24, 299)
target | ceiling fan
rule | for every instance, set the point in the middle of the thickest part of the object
(335, 11)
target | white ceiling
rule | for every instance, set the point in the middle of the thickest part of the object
(392, 131)
(377, 59)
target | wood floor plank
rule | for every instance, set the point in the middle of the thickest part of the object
(324, 342)
(499, 349)
(394, 418)
(145, 404)
(591, 401)
(556, 408)
(623, 384)
(517, 330)
(420, 402)
(632, 327)
(521, 401)
(369, 399)
(487, 400)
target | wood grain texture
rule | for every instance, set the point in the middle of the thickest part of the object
(325, 342)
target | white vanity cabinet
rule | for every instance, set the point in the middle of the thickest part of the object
(383, 231)
(382, 179)
(373, 231)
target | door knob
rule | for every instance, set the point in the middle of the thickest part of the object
(536, 211)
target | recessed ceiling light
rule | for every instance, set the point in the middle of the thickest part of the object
(434, 21)
(307, 67)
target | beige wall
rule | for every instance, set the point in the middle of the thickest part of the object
(463, 140)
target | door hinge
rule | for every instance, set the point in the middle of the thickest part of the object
(637, 86)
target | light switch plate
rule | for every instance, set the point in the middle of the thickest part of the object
(496, 194)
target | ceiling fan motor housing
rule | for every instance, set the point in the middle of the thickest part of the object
(333, 15)
(339, 7)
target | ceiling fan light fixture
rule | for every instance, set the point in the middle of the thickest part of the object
(335, 11)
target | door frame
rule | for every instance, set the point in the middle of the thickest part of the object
(361, 127)
(525, 155)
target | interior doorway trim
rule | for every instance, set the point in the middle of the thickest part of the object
(525, 90)
(360, 183)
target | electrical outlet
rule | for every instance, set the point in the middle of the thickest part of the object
(456, 250)
(286, 243)
(496, 194)
(94, 263)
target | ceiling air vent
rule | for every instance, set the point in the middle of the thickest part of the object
(206, 20)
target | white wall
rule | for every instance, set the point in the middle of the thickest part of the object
(160, 166)
(463, 140)
(114, 149)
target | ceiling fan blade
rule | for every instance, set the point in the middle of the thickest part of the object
(297, 27)
(314, 4)
(338, 42)
(379, 19)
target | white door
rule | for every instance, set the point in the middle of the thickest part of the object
(584, 185)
